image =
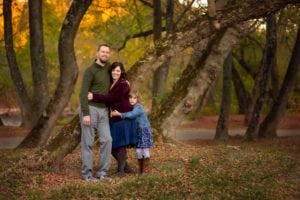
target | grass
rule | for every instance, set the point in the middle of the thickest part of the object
(267, 169)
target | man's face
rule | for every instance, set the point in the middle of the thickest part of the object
(103, 54)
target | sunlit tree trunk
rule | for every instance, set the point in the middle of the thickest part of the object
(223, 122)
(40, 133)
(269, 125)
(268, 60)
(198, 50)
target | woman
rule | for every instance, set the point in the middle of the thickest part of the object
(122, 130)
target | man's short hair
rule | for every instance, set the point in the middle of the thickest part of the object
(102, 45)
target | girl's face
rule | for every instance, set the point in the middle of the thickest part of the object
(116, 73)
(133, 99)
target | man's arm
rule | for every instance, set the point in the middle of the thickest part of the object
(85, 87)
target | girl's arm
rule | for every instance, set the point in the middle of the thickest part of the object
(137, 110)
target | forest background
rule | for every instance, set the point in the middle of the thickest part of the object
(137, 32)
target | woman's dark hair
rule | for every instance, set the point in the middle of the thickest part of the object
(115, 65)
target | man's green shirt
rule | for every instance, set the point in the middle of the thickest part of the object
(96, 79)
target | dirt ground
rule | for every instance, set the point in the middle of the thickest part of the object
(237, 122)
(206, 122)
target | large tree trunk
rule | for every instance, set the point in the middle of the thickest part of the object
(68, 76)
(223, 122)
(23, 98)
(193, 84)
(198, 50)
(38, 66)
(269, 57)
(269, 126)
(243, 96)
(60, 146)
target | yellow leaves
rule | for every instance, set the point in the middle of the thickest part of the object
(18, 14)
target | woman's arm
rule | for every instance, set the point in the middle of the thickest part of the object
(116, 93)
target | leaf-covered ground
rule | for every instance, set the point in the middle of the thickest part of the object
(265, 169)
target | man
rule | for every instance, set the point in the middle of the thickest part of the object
(94, 116)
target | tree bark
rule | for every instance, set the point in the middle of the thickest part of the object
(223, 122)
(269, 125)
(58, 147)
(193, 84)
(274, 69)
(23, 97)
(268, 62)
(198, 50)
(243, 96)
(68, 76)
(157, 23)
(39, 69)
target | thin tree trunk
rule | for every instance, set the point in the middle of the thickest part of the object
(269, 125)
(161, 74)
(269, 57)
(243, 96)
(39, 69)
(274, 71)
(157, 23)
(23, 98)
(223, 122)
(68, 76)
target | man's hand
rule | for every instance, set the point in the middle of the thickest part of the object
(87, 120)
(115, 113)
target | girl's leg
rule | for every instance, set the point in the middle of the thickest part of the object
(146, 156)
(139, 155)
(146, 152)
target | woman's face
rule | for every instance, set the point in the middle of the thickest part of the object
(116, 73)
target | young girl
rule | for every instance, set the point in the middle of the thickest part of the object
(144, 134)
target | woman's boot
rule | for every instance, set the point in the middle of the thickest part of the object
(121, 165)
(127, 168)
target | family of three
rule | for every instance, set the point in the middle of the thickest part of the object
(109, 108)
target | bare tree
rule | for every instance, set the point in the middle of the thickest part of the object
(243, 96)
(223, 122)
(269, 125)
(268, 62)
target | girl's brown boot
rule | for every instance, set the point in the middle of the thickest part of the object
(141, 165)
(146, 167)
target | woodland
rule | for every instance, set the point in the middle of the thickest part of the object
(188, 58)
